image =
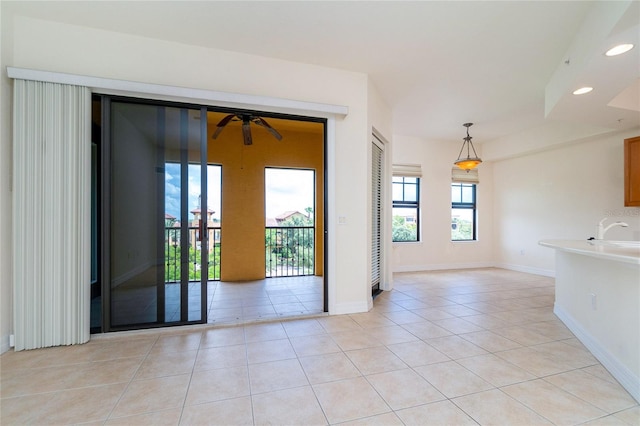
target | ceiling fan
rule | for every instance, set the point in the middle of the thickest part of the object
(246, 119)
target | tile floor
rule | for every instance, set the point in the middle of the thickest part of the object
(227, 302)
(451, 347)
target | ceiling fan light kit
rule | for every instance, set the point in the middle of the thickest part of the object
(246, 119)
(468, 163)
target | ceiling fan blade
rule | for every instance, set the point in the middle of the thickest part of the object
(223, 123)
(261, 122)
(246, 132)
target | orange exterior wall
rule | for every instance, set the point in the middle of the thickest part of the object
(243, 197)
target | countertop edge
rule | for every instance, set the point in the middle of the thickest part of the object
(587, 249)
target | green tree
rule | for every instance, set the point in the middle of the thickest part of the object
(403, 231)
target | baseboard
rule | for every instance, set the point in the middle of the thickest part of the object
(442, 266)
(622, 374)
(4, 344)
(349, 308)
(527, 269)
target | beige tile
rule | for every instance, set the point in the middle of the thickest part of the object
(215, 385)
(337, 323)
(236, 411)
(418, 353)
(177, 343)
(221, 357)
(375, 360)
(161, 418)
(404, 389)
(486, 321)
(270, 350)
(276, 375)
(452, 379)
(460, 310)
(264, 332)
(159, 364)
(81, 405)
(297, 406)
(351, 340)
(522, 335)
(432, 314)
(495, 370)
(314, 345)
(456, 347)
(426, 330)
(600, 372)
(123, 349)
(403, 317)
(490, 341)
(535, 362)
(104, 372)
(37, 380)
(363, 400)
(457, 325)
(27, 409)
(143, 396)
(328, 367)
(391, 335)
(553, 403)
(605, 395)
(609, 420)
(371, 319)
(630, 416)
(303, 327)
(554, 330)
(386, 419)
(570, 355)
(217, 337)
(437, 413)
(493, 407)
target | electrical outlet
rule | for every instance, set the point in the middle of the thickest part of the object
(522, 252)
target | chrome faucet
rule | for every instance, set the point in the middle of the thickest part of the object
(602, 230)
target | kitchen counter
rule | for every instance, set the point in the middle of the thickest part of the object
(620, 251)
(597, 297)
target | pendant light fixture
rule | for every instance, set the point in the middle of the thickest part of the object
(469, 162)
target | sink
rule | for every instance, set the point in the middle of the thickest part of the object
(624, 244)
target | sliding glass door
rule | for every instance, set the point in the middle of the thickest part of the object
(156, 189)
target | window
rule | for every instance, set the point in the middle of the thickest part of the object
(463, 211)
(406, 208)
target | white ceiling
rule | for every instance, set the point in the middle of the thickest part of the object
(509, 67)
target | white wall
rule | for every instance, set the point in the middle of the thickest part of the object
(435, 249)
(561, 193)
(6, 91)
(51, 46)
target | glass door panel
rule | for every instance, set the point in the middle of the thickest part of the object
(155, 185)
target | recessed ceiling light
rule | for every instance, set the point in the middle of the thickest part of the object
(619, 49)
(582, 90)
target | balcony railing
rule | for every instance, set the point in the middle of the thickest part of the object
(289, 251)
(173, 253)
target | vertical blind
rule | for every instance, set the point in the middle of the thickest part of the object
(51, 214)
(376, 212)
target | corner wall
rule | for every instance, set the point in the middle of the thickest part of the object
(561, 193)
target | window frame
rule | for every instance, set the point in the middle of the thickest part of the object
(473, 206)
(407, 204)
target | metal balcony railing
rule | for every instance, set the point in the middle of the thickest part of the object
(289, 251)
(173, 254)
